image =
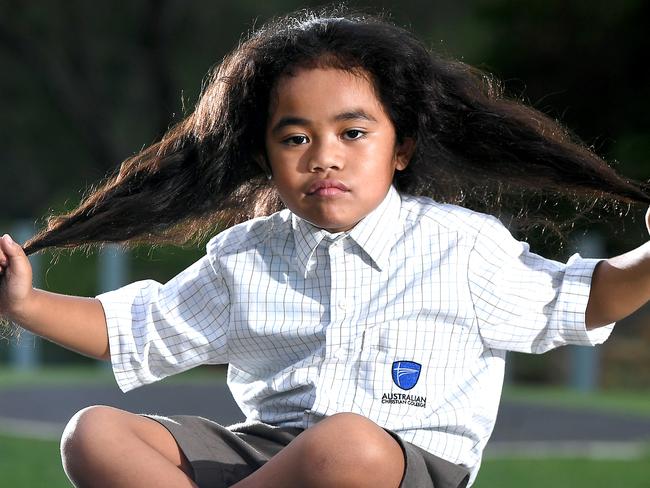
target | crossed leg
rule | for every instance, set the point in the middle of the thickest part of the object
(343, 451)
(107, 447)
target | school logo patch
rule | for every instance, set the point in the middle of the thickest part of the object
(406, 374)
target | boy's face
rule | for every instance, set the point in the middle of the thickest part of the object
(331, 147)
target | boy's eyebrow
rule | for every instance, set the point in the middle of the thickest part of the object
(355, 114)
(285, 121)
(347, 115)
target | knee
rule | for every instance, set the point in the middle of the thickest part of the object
(84, 437)
(85, 428)
(347, 449)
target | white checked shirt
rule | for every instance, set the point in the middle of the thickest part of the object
(404, 319)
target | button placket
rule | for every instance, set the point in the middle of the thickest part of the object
(325, 400)
(337, 273)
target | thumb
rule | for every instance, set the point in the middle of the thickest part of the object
(10, 248)
(12, 257)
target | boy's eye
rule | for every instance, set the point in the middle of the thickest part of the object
(296, 140)
(354, 134)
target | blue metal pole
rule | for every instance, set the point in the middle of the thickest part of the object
(584, 361)
(112, 267)
(113, 272)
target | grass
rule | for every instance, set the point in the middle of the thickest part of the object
(26, 463)
(614, 401)
(93, 375)
(35, 464)
(563, 473)
(68, 376)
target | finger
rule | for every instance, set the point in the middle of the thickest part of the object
(10, 248)
(4, 261)
(18, 267)
(15, 258)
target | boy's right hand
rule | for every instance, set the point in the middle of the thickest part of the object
(15, 278)
(77, 323)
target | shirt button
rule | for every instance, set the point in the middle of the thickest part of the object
(342, 305)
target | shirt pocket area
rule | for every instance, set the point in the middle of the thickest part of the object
(412, 366)
(395, 369)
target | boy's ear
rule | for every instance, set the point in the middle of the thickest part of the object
(404, 153)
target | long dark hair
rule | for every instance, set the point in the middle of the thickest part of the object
(471, 140)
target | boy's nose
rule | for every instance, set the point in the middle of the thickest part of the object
(324, 157)
(323, 165)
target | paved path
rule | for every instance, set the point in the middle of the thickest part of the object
(522, 429)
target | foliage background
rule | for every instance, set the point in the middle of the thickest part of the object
(87, 84)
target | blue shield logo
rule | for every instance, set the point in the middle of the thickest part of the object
(406, 374)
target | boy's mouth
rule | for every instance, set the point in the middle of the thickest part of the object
(327, 188)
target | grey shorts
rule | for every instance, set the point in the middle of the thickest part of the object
(221, 456)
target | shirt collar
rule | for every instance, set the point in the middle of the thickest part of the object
(375, 234)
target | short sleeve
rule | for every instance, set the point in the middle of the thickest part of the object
(158, 330)
(524, 302)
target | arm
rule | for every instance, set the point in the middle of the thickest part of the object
(73, 322)
(619, 286)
